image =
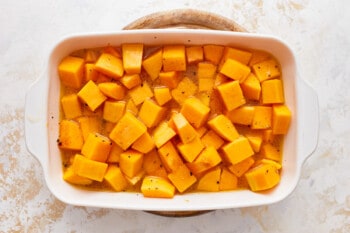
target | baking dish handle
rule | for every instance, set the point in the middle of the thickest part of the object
(35, 128)
(309, 114)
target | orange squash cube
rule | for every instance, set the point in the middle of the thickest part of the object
(281, 118)
(206, 160)
(185, 89)
(152, 162)
(170, 78)
(195, 112)
(71, 71)
(182, 178)
(194, 54)
(70, 176)
(174, 58)
(170, 157)
(131, 80)
(190, 150)
(132, 58)
(228, 181)
(236, 54)
(162, 95)
(262, 177)
(210, 181)
(213, 53)
(90, 56)
(262, 117)
(272, 92)
(153, 186)
(223, 127)
(91, 95)
(144, 144)
(242, 167)
(90, 72)
(113, 111)
(89, 124)
(237, 150)
(71, 106)
(211, 138)
(251, 87)
(112, 90)
(96, 147)
(231, 95)
(269, 151)
(115, 178)
(110, 65)
(267, 69)
(162, 134)
(88, 168)
(184, 129)
(141, 93)
(235, 70)
(151, 113)
(243, 115)
(70, 135)
(114, 153)
(130, 162)
(153, 64)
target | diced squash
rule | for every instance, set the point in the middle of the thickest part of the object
(236, 54)
(141, 93)
(174, 58)
(112, 50)
(194, 54)
(90, 72)
(170, 157)
(131, 107)
(153, 186)
(113, 110)
(144, 144)
(96, 147)
(265, 70)
(71, 106)
(91, 95)
(205, 84)
(130, 162)
(70, 136)
(151, 113)
(243, 115)
(182, 178)
(88, 168)
(269, 151)
(231, 95)
(228, 181)
(220, 79)
(135, 179)
(268, 161)
(213, 53)
(131, 80)
(223, 127)
(115, 178)
(190, 150)
(201, 131)
(258, 56)
(127, 130)
(251, 87)
(152, 162)
(162, 95)
(112, 90)
(114, 153)
(255, 139)
(71, 71)
(242, 167)
(262, 117)
(272, 92)
(132, 58)
(162, 134)
(184, 129)
(206, 160)
(185, 89)
(89, 124)
(210, 181)
(235, 70)
(267, 135)
(195, 112)
(90, 56)
(70, 176)
(206, 70)
(262, 177)
(153, 64)
(170, 78)
(237, 150)
(102, 78)
(210, 138)
(281, 118)
(110, 65)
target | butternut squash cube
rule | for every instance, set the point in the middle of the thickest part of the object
(228, 181)
(70, 176)
(185, 89)
(267, 135)
(265, 70)
(281, 118)
(174, 58)
(262, 117)
(190, 150)
(162, 95)
(194, 54)
(89, 124)
(90, 72)
(141, 93)
(90, 56)
(135, 179)
(130, 162)
(235, 70)
(96, 147)
(71, 71)
(255, 139)
(237, 150)
(88, 168)
(170, 157)
(195, 112)
(213, 53)
(262, 177)
(151, 113)
(243, 115)
(231, 95)
(184, 129)
(242, 167)
(144, 144)
(70, 135)
(258, 56)
(272, 92)
(162, 134)
(212, 139)
(223, 127)
(205, 84)
(91, 95)
(201, 131)
(110, 65)
(210, 181)
(170, 78)
(206, 70)
(182, 178)
(113, 110)
(251, 87)
(239, 55)
(153, 186)
(115, 178)
(71, 106)
(206, 160)
(152, 162)
(112, 90)
(132, 58)
(112, 50)
(131, 80)
(153, 64)
(268, 161)
(131, 107)
(269, 151)
(114, 154)
(127, 130)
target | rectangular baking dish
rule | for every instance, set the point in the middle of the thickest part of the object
(42, 117)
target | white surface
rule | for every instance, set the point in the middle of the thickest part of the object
(318, 31)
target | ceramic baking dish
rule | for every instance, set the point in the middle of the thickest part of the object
(42, 117)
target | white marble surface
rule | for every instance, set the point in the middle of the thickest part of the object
(317, 30)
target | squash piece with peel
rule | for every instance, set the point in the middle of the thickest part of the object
(153, 186)
(132, 58)
(110, 65)
(88, 168)
(130, 162)
(262, 177)
(182, 178)
(115, 178)
(153, 64)
(70, 135)
(71, 71)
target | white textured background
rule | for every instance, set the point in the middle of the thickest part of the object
(317, 30)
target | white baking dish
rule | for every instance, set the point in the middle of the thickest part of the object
(42, 116)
